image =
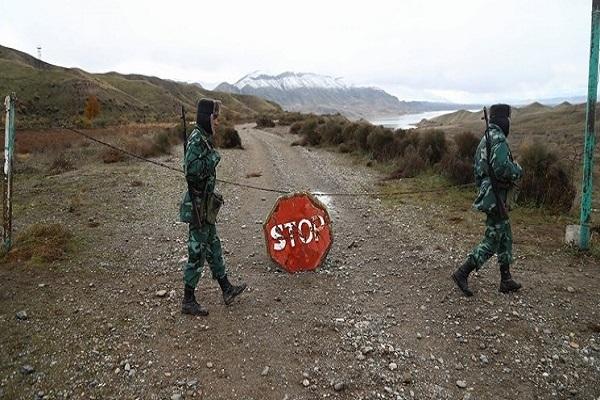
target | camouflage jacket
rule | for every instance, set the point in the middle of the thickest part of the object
(200, 163)
(507, 171)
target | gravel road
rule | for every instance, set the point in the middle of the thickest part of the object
(380, 320)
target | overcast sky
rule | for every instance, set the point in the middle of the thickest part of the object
(459, 50)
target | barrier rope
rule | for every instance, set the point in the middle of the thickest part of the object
(265, 189)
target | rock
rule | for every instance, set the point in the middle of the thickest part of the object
(176, 396)
(360, 357)
(406, 378)
(161, 293)
(574, 345)
(570, 289)
(192, 383)
(339, 386)
(127, 367)
(483, 359)
(265, 371)
(306, 382)
(22, 315)
(393, 366)
(419, 336)
(27, 369)
(209, 365)
(461, 384)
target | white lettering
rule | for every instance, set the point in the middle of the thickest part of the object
(276, 235)
(304, 239)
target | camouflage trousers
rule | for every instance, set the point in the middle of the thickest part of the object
(203, 244)
(497, 240)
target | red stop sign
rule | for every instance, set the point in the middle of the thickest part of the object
(298, 232)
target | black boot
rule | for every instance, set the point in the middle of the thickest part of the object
(189, 305)
(230, 291)
(461, 275)
(507, 284)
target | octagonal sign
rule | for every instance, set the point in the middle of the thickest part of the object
(298, 232)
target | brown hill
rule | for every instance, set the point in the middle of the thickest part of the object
(50, 95)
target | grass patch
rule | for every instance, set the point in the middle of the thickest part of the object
(40, 243)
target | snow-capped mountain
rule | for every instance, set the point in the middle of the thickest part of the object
(321, 94)
(290, 81)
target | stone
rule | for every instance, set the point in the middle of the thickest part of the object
(192, 383)
(209, 365)
(572, 235)
(570, 289)
(22, 315)
(176, 396)
(461, 384)
(406, 378)
(393, 366)
(265, 371)
(306, 382)
(27, 369)
(339, 386)
(161, 293)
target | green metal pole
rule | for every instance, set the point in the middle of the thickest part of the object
(590, 134)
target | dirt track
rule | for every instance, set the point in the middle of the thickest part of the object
(379, 320)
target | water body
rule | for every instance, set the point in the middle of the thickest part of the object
(408, 121)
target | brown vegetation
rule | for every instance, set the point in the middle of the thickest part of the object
(40, 243)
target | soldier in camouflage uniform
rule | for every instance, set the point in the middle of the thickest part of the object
(200, 163)
(498, 235)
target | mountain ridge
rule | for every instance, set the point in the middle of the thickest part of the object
(51, 95)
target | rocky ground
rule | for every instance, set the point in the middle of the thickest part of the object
(380, 320)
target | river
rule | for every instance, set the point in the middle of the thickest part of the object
(407, 121)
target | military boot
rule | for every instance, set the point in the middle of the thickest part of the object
(230, 291)
(189, 305)
(507, 284)
(461, 275)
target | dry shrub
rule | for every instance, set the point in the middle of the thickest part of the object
(432, 146)
(228, 138)
(141, 146)
(112, 156)
(61, 164)
(310, 133)
(457, 165)
(410, 165)
(380, 142)
(264, 121)
(295, 128)
(546, 181)
(331, 132)
(40, 243)
(466, 145)
(457, 169)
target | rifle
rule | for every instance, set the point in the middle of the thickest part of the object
(493, 180)
(190, 191)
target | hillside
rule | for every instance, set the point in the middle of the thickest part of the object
(50, 95)
(321, 94)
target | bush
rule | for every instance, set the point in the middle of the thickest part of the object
(61, 164)
(110, 156)
(295, 128)
(457, 169)
(379, 143)
(546, 181)
(289, 118)
(228, 138)
(264, 121)
(432, 146)
(457, 165)
(309, 131)
(466, 145)
(331, 132)
(410, 165)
